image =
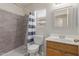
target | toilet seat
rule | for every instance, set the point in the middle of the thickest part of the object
(33, 48)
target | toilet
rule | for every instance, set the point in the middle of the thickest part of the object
(33, 49)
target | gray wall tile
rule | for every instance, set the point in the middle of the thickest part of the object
(11, 31)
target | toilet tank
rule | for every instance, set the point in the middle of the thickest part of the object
(39, 39)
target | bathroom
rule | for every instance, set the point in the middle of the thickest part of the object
(55, 27)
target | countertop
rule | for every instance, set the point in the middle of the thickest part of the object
(67, 40)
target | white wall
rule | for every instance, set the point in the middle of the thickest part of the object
(12, 8)
(36, 6)
(40, 6)
(49, 8)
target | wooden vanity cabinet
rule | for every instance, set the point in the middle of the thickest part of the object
(60, 49)
(54, 52)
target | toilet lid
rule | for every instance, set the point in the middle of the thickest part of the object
(33, 47)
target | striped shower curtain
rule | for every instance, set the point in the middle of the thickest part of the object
(31, 24)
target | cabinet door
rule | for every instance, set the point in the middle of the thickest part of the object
(53, 52)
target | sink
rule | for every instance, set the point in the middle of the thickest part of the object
(64, 40)
(68, 40)
(62, 37)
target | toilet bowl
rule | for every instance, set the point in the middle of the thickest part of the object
(33, 49)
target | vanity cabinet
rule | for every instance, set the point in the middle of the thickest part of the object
(60, 49)
(54, 52)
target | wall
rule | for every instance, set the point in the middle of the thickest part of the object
(11, 28)
(36, 6)
(49, 27)
(12, 8)
(39, 6)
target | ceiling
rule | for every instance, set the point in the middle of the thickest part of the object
(26, 5)
(22, 5)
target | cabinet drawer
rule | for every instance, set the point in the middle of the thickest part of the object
(53, 52)
(64, 47)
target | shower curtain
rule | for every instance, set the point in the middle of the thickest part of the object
(31, 24)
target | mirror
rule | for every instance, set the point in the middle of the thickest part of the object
(64, 20)
(61, 17)
(59, 22)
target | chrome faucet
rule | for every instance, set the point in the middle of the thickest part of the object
(76, 40)
(61, 36)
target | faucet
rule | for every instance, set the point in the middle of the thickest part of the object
(76, 40)
(61, 36)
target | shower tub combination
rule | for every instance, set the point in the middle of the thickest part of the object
(23, 49)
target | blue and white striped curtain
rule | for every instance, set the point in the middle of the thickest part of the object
(31, 28)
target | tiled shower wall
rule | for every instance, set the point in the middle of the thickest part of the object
(11, 31)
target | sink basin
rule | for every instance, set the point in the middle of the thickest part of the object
(67, 40)
(63, 38)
